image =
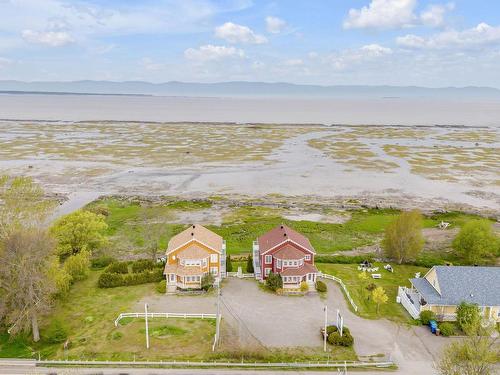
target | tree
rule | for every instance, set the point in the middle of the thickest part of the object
(80, 230)
(250, 264)
(476, 242)
(22, 203)
(403, 239)
(379, 297)
(78, 265)
(363, 278)
(477, 354)
(274, 281)
(27, 289)
(152, 232)
(229, 264)
(468, 317)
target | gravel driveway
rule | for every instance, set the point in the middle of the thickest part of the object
(293, 321)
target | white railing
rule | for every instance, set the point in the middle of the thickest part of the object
(240, 275)
(336, 279)
(405, 301)
(138, 364)
(164, 315)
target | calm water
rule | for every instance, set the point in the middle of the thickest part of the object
(326, 111)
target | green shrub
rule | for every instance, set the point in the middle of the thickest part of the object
(274, 281)
(343, 259)
(229, 264)
(331, 329)
(117, 267)
(161, 287)
(428, 261)
(468, 316)
(110, 280)
(142, 265)
(207, 281)
(55, 333)
(321, 286)
(304, 287)
(102, 262)
(426, 316)
(346, 339)
(447, 329)
(78, 265)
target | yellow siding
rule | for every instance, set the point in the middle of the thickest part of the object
(172, 257)
(433, 280)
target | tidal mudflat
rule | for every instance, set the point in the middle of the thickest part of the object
(442, 167)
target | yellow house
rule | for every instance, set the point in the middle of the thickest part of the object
(191, 254)
(443, 288)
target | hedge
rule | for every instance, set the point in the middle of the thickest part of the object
(426, 316)
(447, 329)
(111, 280)
(117, 267)
(142, 265)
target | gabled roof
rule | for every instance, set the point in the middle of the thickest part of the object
(462, 283)
(289, 252)
(281, 234)
(196, 233)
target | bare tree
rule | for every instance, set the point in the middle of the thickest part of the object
(26, 257)
(22, 204)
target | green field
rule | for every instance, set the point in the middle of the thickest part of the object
(389, 281)
(130, 223)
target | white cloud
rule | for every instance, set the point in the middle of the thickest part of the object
(210, 52)
(275, 25)
(49, 38)
(382, 14)
(234, 33)
(482, 34)
(388, 14)
(151, 65)
(376, 49)
(434, 14)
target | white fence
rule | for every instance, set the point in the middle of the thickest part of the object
(213, 364)
(405, 301)
(349, 298)
(240, 275)
(164, 315)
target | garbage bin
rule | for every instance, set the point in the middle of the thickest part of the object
(433, 325)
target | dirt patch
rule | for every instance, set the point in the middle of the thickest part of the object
(438, 239)
(316, 216)
(209, 216)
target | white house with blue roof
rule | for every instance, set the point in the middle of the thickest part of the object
(443, 288)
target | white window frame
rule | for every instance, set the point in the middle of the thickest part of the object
(308, 256)
(214, 271)
(172, 277)
(278, 263)
(267, 271)
(214, 258)
(268, 259)
(295, 263)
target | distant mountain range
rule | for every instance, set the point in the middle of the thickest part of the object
(244, 89)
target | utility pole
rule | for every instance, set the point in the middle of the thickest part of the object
(147, 326)
(217, 320)
(325, 333)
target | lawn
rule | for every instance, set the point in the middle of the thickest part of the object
(389, 281)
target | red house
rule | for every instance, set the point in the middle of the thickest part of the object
(286, 252)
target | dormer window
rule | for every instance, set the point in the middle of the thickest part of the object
(308, 256)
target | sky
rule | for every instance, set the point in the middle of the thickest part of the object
(325, 42)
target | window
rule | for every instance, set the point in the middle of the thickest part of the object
(172, 277)
(278, 263)
(213, 258)
(295, 262)
(204, 262)
(214, 270)
(308, 256)
(268, 271)
(269, 259)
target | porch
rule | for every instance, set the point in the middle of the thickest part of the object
(410, 299)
